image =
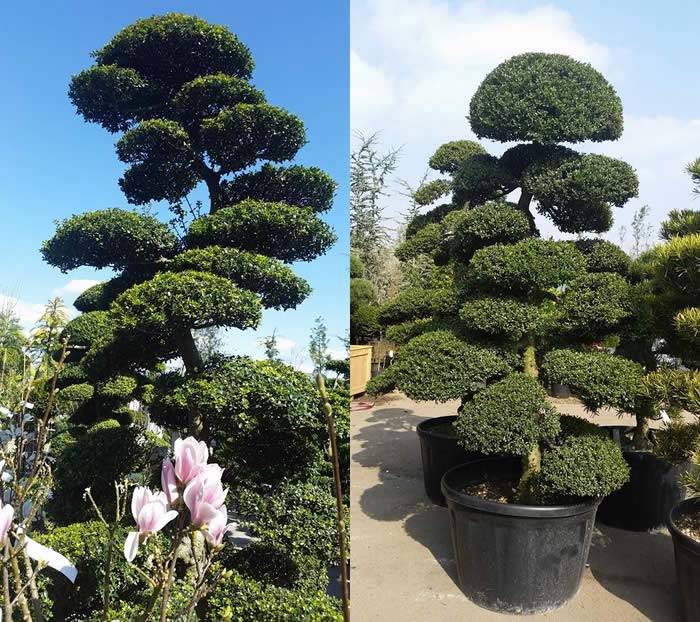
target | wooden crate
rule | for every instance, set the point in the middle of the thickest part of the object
(360, 368)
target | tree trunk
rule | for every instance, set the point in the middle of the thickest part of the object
(524, 207)
(213, 181)
(532, 463)
(529, 359)
(193, 363)
(640, 439)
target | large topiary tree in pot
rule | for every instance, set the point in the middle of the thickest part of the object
(517, 308)
(179, 90)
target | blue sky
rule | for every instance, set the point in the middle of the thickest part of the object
(53, 164)
(416, 65)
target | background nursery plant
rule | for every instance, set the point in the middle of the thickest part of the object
(194, 118)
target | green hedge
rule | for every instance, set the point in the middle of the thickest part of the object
(237, 599)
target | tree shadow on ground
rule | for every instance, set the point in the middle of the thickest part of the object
(637, 567)
(389, 442)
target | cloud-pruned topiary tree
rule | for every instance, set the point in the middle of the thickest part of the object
(178, 90)
(516, 297)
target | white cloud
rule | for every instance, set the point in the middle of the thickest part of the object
(27, 313)
(424, 59)
(427, 57)
(73, 288)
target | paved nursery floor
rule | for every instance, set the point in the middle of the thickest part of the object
(402, 564)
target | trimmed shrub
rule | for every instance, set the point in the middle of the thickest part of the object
(603, 256)
(276, 283)
(598, 379)
(529, 265)
(382, 383)
(439, 366)
(426, 241)
(507, 317)
(412, 304)
(286, 232)
(588, 466)
(111, 238)
(505, 107)
(300, 517)
(595, 304)
(186, 300)
(449, 156)
(122, 450)
(508, 417)
(488, 224)
(264, 416)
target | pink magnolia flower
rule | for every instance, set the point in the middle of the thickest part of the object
(217, 528)
(150, 511)
(205, 495)
(190, 458)
(7, 514)
(168, 481)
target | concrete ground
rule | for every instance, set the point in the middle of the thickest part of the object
(402, 560)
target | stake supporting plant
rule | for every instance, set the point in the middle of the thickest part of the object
(338, 496)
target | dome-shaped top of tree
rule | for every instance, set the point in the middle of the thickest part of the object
(545, 98)
(542, 100)
(515, 295)
(179, 88)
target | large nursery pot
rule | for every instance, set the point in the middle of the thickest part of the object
(515, 558)
(687, 551)
(645, 501)
(440, 452)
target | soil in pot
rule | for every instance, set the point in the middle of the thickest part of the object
(439, 453)
(514, 558)
(684, 525)
(645, 501)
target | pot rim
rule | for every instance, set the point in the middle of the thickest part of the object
(424, 428)
(676, 510)
(457, 498)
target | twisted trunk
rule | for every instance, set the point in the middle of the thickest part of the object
(193, 363)
(524, 207)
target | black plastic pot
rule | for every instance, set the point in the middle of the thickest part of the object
(687, 553)
(439, 452)
(561, 391)
(645, 501)
(515, 558)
